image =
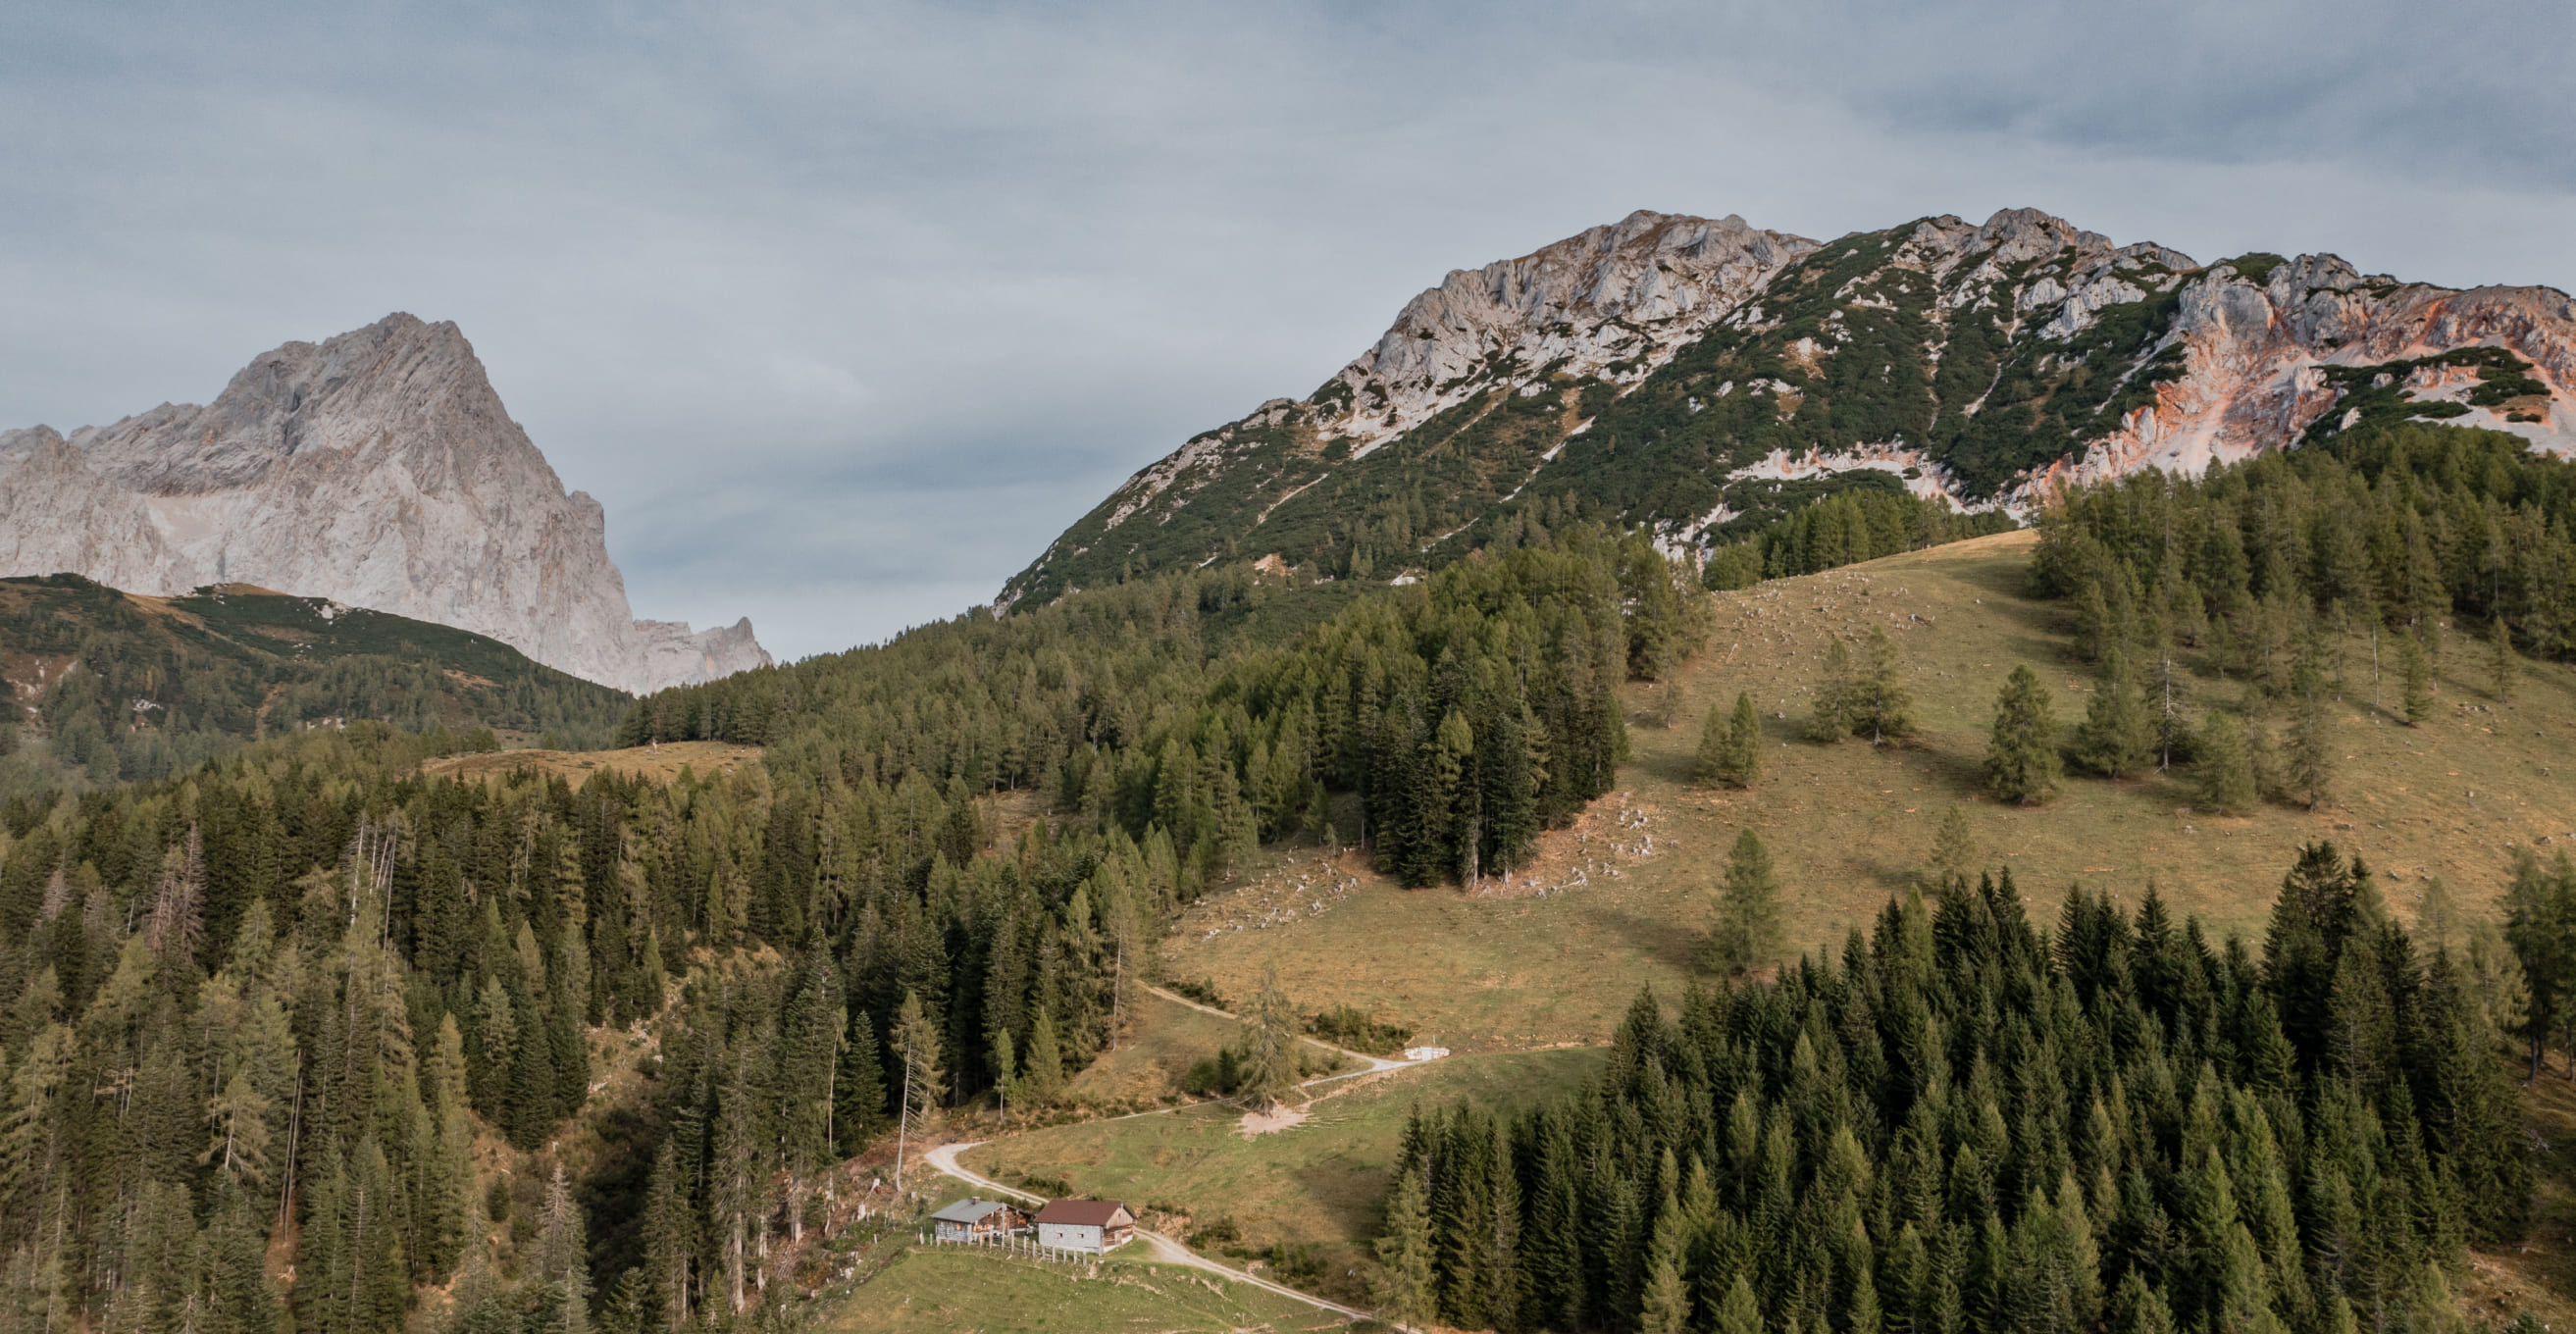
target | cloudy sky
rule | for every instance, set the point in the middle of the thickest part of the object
(844, 310)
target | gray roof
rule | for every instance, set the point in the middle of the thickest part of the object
(970, 1210)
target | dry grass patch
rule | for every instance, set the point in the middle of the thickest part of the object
(659, 763)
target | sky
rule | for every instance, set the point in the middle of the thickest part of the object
(843, 310)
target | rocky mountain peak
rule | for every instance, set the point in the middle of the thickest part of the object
(1704, 376)
(377, 468)
(1627, 293)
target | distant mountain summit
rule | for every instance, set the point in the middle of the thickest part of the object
(378, 469)
(1700, 376)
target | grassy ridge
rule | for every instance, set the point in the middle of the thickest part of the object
(121, 686)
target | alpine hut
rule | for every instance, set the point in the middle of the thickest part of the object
(971, 1219)
(1097, 1226)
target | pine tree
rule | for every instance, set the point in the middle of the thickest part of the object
(2226, 767)
(1403, 1286)
(2021, 759)
(1747, 929)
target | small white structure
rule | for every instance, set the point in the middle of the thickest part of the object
(1425, 1053)
(1097, 1226)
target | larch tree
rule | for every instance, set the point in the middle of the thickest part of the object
(2417, 666)
(2225, 771)
(1882, 705)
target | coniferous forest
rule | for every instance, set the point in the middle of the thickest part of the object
(1965, 1122)
(273, 1001)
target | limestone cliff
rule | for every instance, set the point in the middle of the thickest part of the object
(378, 469)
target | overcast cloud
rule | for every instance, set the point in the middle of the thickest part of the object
(844, 311)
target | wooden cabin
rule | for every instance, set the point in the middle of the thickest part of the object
(1098, 1226)
(972, 1219)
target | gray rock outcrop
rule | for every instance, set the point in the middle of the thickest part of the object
(378, 469)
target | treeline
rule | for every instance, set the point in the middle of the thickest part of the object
(1966, 1123)
(1844, 529)
(2407, 527)
(1466, 714)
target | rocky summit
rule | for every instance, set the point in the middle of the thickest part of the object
(377, 469)
(1704, 376)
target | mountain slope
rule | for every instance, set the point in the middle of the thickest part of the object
(130, 686)
(377, 468)
(1683, 372)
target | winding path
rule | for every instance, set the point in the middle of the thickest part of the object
(1166, 1250)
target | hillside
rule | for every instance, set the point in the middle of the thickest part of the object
(1702, 376)
(128, 686)
(1623, 897)
(1504, 972)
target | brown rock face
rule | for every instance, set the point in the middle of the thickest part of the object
(377, 468)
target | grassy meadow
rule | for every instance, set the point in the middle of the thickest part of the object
(1623, 898)
(944, 1290)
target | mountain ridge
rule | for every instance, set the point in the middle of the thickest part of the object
(377, 468)
(1682, 372)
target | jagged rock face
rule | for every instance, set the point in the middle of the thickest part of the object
(378, 469)
(1703, 376)
(1611, 303)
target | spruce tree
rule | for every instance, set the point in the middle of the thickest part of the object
(1403, 1286)
(1730, 749)
(1045, 1062)
(1707, 762)
(1747, 929)
(2021, 757)
(2226, 767)
(1271, 1047)
(1739, 1313)
(670, 1227)
(1954, 850)
(858, 1088)
(1667, 1298)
